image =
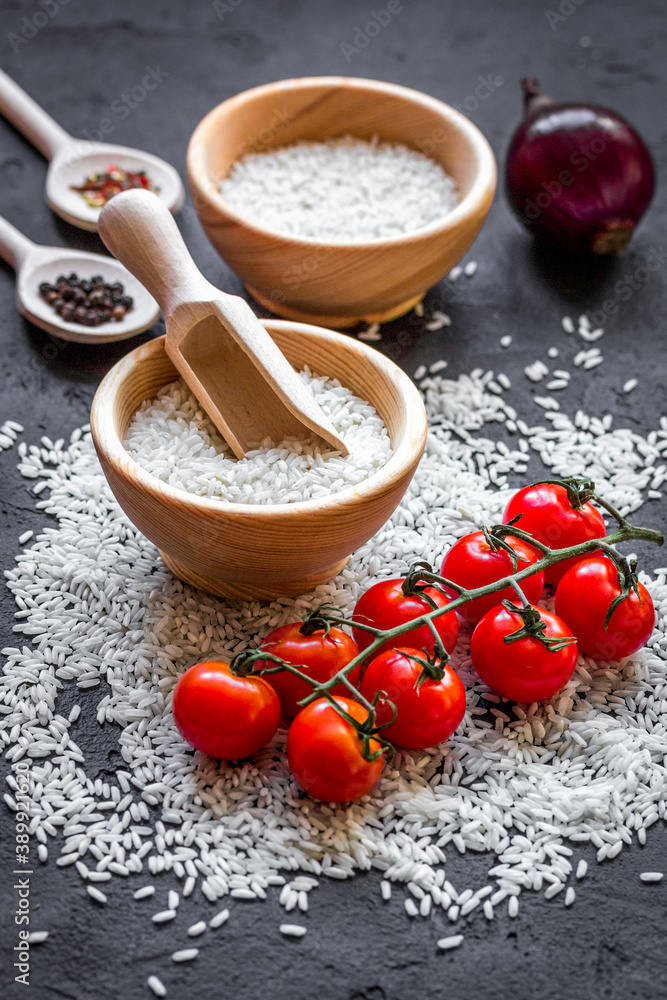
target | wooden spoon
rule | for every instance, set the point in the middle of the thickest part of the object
(34, 264)
(229, 361)
(73, 160)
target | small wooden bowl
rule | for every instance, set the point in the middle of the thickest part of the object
(339, 285)
(247, 552)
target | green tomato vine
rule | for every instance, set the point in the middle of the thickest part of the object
(421, 575)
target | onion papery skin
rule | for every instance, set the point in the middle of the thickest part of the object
(579, 176)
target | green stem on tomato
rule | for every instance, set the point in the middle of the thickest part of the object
(420, 574)
(624, 533)
(522, 597)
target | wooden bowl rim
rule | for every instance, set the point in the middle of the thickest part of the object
(110, 445)
(476, 198)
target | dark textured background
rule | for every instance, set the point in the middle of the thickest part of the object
(611, 943)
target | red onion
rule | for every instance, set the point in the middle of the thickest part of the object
(577, 174)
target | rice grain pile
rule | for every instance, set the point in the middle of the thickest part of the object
(8, 434)
(173, 439)
(342, 190)
(525, 784)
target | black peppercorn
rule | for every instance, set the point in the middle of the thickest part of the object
(89, 301)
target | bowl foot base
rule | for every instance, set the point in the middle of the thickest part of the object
(259, 591)
(336, 321)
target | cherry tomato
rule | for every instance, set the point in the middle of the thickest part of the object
(324, 752)
(319, 655)
(427, 712)
(472, 562)
(384, 605)
(523, 670)
(583, 598)
(224, 715)
(547, 513)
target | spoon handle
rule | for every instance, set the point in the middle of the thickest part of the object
(27, 116)
(14, 246)
(141, 233)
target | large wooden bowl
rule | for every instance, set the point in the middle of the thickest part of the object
(242, 551)
(339, 285)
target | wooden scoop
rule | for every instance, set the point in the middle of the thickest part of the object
(229, 361)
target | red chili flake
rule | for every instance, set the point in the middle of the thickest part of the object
(98, 189)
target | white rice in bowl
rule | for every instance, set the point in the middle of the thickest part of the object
(340, 191)
(171, 437)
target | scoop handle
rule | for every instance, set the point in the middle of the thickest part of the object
(14, 246)
(142, 234)
(27, 116)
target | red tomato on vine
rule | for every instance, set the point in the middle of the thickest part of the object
(523, 668)
(583, 599)
(557, 517)
(429, 698)
(320, 653)
(386, 605)
(478, 559)
(224, 715)
(324, 752)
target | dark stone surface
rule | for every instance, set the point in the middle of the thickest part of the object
(611, 943)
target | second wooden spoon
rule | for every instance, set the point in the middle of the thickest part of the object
(239, 375)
